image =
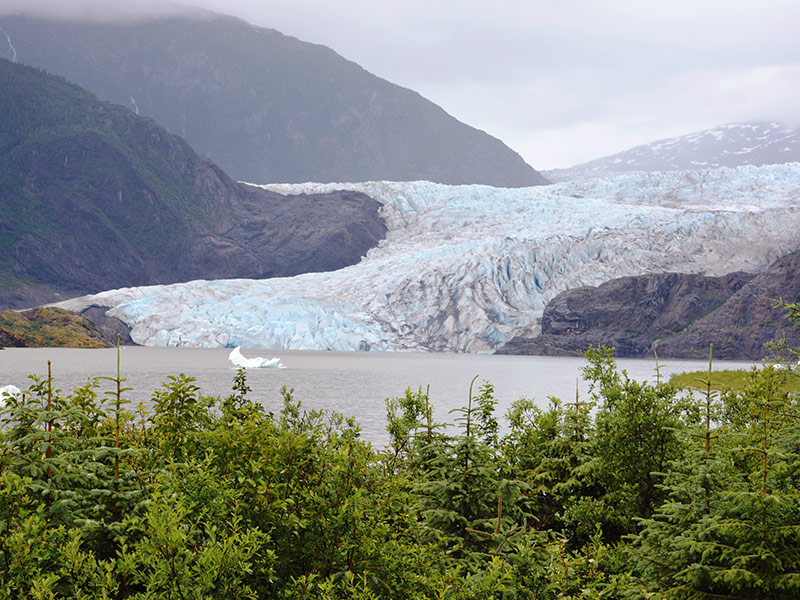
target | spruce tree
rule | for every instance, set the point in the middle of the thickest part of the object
(730, 527)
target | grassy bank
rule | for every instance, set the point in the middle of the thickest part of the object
(735, 380)
(49, 327)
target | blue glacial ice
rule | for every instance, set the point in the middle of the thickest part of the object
(464, 268)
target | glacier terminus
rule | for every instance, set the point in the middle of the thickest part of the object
(465, 268)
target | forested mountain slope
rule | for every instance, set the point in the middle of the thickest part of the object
(94, 197)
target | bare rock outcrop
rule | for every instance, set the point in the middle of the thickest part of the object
(750, 318)
(673, 315)
(629, 313)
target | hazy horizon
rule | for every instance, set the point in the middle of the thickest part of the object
(559, 83)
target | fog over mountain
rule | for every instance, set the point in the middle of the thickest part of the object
(265, 106)
(559, 82)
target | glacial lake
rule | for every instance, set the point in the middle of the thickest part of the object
(352, 383)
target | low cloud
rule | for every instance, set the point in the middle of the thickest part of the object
(560, 82)
(97, 11)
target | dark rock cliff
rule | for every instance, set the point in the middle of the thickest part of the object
(629, 313)
(673, 315)
(94, 197)
(750, 318)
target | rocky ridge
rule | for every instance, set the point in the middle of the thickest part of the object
(672, 315)
(729, 145)
(96, 197)
(749, 318)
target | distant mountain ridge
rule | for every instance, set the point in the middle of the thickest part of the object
(731, 145)
(94, 197)
(264, 106)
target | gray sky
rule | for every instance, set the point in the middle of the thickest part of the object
(560, 81)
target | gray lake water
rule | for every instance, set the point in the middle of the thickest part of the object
(352, 383)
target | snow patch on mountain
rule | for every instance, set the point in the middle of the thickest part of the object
(464, 268)
(730, 145)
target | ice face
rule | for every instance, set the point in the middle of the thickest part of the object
(464, 268)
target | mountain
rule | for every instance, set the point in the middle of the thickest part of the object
(94, 197)
(629, 313)
(750, 317)
(466, 268)
(730, 145)
(672, 315)
(264, 106)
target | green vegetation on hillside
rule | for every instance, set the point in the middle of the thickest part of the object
(68, 160)
(50, 327)
(735, 380)
(95, 197)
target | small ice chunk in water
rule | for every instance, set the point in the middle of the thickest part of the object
(258, 362)
(8, 390)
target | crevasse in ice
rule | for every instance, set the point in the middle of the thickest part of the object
(464, 268)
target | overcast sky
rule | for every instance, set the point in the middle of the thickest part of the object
(559, 81)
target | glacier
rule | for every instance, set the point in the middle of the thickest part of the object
(465, 268)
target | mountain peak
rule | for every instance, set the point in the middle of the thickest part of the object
(728, 145)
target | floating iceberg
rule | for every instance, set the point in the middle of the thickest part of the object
(258, 362)
(8, 390)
